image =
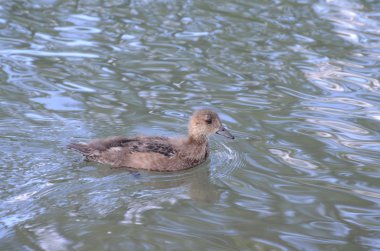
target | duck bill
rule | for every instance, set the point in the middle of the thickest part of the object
(223, 131)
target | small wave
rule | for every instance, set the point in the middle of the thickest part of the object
(225, 160)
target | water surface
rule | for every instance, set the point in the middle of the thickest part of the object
(297, 83)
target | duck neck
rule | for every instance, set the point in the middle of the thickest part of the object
(197, 139)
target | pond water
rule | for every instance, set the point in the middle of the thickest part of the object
(296, 82)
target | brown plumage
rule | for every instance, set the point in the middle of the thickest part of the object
(157, 153)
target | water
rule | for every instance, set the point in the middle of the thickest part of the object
(297, 83)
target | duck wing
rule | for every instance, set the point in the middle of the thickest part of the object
(159, 145)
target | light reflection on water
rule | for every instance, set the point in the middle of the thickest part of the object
(297, 83)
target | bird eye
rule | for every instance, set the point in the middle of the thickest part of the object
(209, 120)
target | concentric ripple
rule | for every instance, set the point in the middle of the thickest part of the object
(224, 160)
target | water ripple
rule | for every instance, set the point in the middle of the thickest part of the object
(297, 82)
(47, 53)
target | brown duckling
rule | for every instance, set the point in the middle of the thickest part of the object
(157, 153)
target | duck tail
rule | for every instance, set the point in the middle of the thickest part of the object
(80, 147)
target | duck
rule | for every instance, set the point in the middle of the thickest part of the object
(157, 153)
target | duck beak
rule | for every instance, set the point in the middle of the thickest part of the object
(223, 131)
